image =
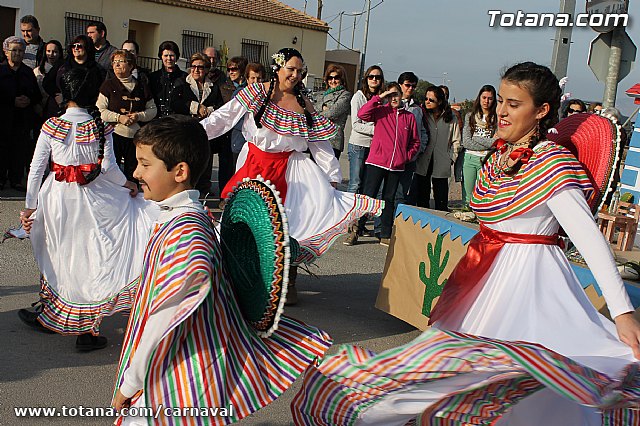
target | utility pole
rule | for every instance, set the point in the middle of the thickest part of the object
(339, 30)
(366, 36)
(562, 43)
(615, 55)
(353, 31)
(319, 9)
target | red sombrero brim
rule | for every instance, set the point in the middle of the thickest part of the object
(595, 141)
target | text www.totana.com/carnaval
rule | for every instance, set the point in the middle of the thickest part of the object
(82, 411)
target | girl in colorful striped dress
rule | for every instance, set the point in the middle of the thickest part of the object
(187, 345)
(515, 288)
(88, 234)
(280, 124)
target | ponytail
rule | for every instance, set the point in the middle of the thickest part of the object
(95, 113)
(303, 104)
(258, 116)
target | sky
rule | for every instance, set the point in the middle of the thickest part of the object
(432, 38)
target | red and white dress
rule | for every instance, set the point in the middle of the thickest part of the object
(528, 296)
(88, 240)
(317, 213)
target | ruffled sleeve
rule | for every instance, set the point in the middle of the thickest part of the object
(87, 132)
(57, 128)
(323, 129)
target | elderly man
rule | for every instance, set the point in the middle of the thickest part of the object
(20, 92)
(216, 75)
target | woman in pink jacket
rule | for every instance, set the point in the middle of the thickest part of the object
(395, 142)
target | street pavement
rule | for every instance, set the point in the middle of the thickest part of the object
(45, 370)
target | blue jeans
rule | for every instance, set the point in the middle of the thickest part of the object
(357, 156)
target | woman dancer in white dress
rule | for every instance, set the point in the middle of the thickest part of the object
(280, 124)
(514, 283)
(88, 229)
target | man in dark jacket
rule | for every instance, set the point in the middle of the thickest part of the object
(97, 32)
(19, 92)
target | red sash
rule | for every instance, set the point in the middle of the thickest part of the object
(72, 173)
(270, 165)
(462, 287)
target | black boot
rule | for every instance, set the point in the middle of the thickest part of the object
(31, 319)
(88, 342)
(292, 293)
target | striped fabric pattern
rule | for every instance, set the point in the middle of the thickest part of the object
(65, 317)
(86, 132)
(339, 390)
(282, 121)
(552, 168)
(315, 246)
(209, 356)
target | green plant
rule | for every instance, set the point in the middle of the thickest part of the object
(436, 268)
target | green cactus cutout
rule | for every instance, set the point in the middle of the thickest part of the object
(432, 288)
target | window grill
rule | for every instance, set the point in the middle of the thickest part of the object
(194, 41)
(256, 51)
(152, 64)
(75, 24)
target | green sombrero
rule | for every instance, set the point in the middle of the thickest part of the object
(257, 251)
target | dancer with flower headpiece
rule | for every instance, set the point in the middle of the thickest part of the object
(88, 229)
(280, 125)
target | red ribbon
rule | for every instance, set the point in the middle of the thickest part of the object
(72, 173)
(270, 165)
(462, 287)
(521, 154)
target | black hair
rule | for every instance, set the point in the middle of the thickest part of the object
(77, 86)
(169, 45)
(570, 102)
(364, 85)
(492, 119)
(543, 87)
(135, 44)
(443, 107)
(175, 139)
(100, 27)
(30, 19)
(44, 59)
(89, 48)
(407, 76)
(288, 53)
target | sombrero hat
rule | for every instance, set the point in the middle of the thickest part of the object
(257, 252)
(595, 141)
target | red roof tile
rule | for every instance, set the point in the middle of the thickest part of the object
(260, 10)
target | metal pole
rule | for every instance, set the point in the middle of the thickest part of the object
(615, 55)
(319, 9)
(364, 45)
(353, 31)
(339, 30)
(562, 42)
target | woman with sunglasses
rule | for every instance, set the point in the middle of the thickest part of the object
(280, 124)
(434, 165)
(574, 106)
(335, 102)
(80, 54)
(516, 289)
(124, 102)
(361, 131)
(200, 97)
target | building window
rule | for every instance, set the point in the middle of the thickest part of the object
(194, 41)
(75, 24)
(256, 51)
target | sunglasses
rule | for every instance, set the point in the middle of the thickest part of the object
(574, 111)
(333, 77)
(232, 69)
(374, 77)
(431, 100)
(410, 85)
(197, 67)
(78, 46)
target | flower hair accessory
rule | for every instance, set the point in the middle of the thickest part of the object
(279, 59)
